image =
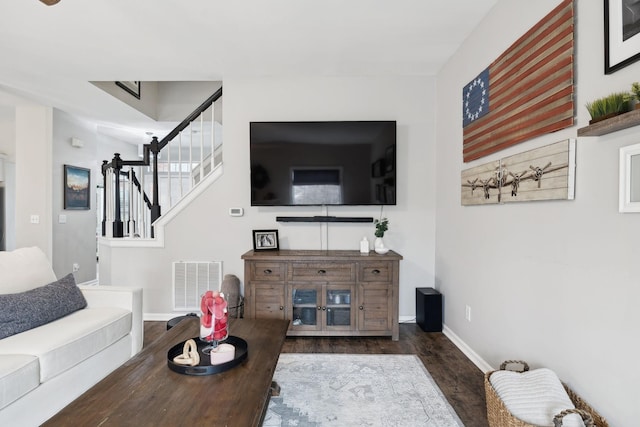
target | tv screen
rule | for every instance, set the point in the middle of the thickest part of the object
(323, 163)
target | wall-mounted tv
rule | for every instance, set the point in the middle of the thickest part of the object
(323, 163)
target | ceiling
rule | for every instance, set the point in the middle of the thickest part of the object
(51, 53)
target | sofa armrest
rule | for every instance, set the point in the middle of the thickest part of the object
(122, 297)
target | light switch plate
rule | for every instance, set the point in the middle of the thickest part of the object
(236, 211)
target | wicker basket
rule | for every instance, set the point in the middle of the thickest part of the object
(499, 416)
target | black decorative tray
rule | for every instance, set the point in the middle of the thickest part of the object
(205, 367)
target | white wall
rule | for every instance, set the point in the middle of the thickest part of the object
(74, 241)
(33, 177)
(37, 141)
(554, 283)
(205, 231)
(148, 102)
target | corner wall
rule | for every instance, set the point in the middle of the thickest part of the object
(554, 283)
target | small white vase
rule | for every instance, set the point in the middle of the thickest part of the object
(379, 247)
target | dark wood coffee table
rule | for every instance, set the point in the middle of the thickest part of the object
(145, 392)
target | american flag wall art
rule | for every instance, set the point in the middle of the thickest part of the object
(526, 92)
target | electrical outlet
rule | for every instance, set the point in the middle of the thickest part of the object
(467, 313)
(75, 267)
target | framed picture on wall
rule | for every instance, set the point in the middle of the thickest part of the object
(621, 34)
(77, 186)
(265, 240)
(132, 87)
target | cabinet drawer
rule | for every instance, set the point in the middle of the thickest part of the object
(268, 271)
(325, 272)
(375, 272)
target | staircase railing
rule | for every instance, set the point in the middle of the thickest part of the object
(168, 170)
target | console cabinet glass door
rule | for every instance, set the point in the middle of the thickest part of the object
(305, 306)
(317, 307)
(337, 307)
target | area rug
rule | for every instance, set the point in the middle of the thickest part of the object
(357, 390)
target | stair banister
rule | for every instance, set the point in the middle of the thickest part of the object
(111, 173)
(191, 117)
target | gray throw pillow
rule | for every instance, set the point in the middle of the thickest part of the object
(30, 309)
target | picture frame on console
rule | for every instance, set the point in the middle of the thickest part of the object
(77, 186)
(265, 240)
(621, 36)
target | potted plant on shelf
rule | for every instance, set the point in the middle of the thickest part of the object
(608, 106)
(635, 90)
(382, 225)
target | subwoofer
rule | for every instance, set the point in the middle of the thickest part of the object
(429, 309)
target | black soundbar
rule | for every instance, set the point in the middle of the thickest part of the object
(323, 219)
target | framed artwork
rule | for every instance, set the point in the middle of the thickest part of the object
(630, 178)
(132, 87)
(77, 186)
(265, 240)
(621, 34)
(545, 173)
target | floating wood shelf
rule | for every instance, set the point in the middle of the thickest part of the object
(614, 124)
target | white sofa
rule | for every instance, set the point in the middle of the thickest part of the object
(45, 368)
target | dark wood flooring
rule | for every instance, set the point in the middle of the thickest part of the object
(458, 378)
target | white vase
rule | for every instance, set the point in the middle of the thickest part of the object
(379, 247)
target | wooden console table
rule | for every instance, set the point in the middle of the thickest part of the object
(324, 293)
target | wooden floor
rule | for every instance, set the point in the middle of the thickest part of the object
(458, 378)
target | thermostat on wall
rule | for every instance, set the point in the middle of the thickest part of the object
(236, 211)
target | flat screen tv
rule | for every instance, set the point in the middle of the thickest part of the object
(323, 163)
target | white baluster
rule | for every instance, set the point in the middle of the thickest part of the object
(213, 138)
(190, 154)
(201, 147)
(109, 205)
(142, 211)
(169, 174)
(180, 161)
(131, 223)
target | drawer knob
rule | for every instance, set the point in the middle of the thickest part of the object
(322, 271)
(281, 307)
(324, 308)
(376, 271)
(319, 308)
(267, 271)
(361, 307)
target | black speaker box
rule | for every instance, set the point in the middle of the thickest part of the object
(429, 309)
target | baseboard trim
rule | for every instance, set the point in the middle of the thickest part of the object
(161, 317)
(407, 319)
(472, 355)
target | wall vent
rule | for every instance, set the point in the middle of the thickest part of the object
(191, 279)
